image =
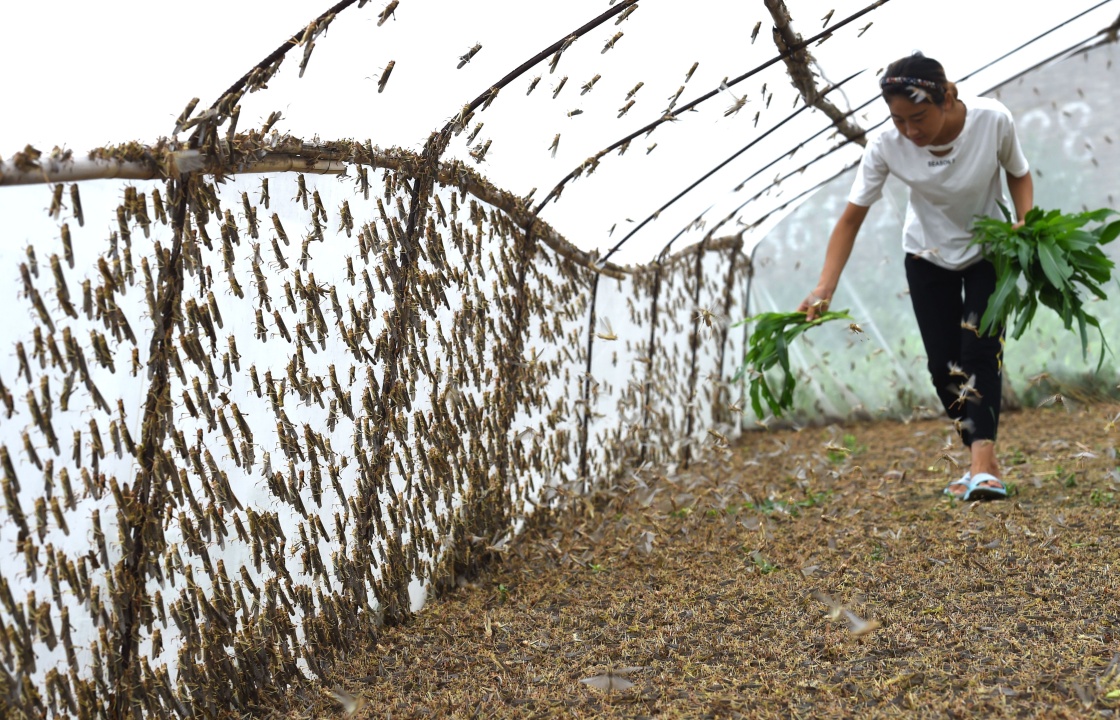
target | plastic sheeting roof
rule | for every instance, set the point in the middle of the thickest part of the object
(121, 72)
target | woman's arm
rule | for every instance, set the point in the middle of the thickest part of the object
(1022, 195)
(836, 257)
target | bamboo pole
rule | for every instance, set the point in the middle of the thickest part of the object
(54, 171)
(292, 155)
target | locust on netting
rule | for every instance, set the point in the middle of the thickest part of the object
(1052, 253)
(769, 346)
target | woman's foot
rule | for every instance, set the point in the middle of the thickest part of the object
(981, 486)
(984, 486)
(959, 488)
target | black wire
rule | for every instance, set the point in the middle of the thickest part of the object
(783, 178)
(1069, 51)
(761, 170)
(707, 96)
(719, 167)
(811, 190)
(1009, 53)
(551, 49)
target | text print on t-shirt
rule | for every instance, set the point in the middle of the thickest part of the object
(942, 161)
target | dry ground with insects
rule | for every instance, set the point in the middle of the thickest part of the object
(704, 590)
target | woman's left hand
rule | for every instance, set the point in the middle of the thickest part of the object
(816, 304)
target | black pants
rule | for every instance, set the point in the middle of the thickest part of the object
(950, 331)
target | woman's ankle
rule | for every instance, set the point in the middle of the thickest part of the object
(984, 458)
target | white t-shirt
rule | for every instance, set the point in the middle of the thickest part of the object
(946, 193)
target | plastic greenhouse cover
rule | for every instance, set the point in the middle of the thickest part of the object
(83, 90)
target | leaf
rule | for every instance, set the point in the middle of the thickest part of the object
(996, 313)
(1025, 253)
(1084, 334)
(1093, 288)
(768, 346)
(1024, 320)
(1056, 269)
(1076, 240)
(1105, 349)
(763, 386)
(1099, 215)
(1109, 233)
(1094, 262)
(756, 402)
(782, 346)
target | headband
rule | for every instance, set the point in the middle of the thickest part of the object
(918, 88)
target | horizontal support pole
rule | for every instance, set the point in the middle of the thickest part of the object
(288, 155)
(73, 170)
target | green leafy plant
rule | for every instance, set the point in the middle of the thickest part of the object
(851, 448)
(813, 499)
(1054, 254)
(1099, 497)
(769, 346)
(764, 566)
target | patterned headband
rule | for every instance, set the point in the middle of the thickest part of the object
(918, 88)
(928, 84)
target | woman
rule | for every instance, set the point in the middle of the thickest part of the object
(950, 154)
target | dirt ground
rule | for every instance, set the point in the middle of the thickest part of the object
(706, 594)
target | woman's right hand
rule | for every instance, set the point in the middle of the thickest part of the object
(816, 303)
(840, 244)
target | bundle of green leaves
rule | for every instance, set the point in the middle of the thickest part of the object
(769, 346)
(1055, 257)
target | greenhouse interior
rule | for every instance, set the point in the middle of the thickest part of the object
(510, 459)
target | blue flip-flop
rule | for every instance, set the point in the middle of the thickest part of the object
(966, 480)
(977, 491)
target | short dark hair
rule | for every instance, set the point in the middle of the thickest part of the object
(918, 67)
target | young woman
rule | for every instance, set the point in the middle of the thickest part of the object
(950, 154)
